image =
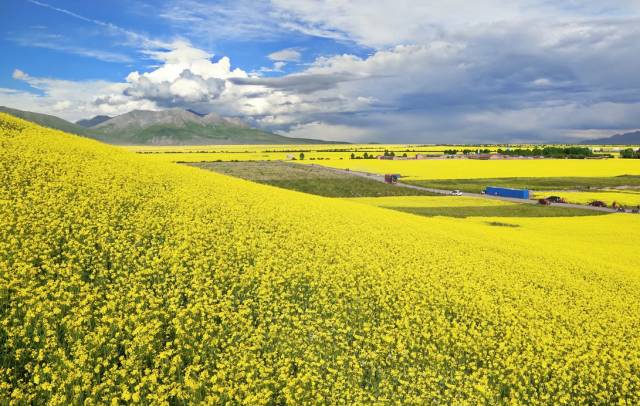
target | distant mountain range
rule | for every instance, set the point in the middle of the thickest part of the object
(90, 122)
(632, 138)
(167, 127)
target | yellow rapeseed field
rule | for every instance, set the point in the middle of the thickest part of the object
(626, 198)
(477, 169)
(430, 201)
(127, 280)
(200, 153)
(237, 156)
(324, 152)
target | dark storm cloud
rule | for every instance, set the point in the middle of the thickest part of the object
(297, 83)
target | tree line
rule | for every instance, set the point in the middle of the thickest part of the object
(630, 153)
(547, 152)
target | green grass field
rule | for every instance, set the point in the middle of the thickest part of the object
(307, 179)
(463, 207)
(515, 210)
(550, 183)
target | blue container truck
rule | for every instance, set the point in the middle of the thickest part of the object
(506, 192)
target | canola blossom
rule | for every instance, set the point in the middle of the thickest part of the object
(478, 169)
(623, 197)
(198, 153)
(329, 152)
(430, 201)
(128, 280)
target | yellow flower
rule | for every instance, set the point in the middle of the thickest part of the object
(128, 278)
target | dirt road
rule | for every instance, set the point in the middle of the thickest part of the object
(380, 178)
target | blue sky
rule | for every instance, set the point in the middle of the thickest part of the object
(48, 42)
(361, 70)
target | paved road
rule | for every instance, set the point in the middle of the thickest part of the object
(380, 178)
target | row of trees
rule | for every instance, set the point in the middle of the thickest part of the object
(366, 155)
(630, 153)
(550, 152)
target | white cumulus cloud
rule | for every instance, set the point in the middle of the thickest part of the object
(286, 55)
(454, 71)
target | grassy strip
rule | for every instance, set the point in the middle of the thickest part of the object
(348, 187)
(313, 180)
(516, 210)
(551, 183)
(268, 171)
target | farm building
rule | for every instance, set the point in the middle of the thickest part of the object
(393, 158)
(485, 156)
(429, 156)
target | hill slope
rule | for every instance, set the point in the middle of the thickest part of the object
(632, 138)
(90, 122)
(128, 280)
(49, 121)
(168, 127)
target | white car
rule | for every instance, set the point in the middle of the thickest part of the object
(456, 193)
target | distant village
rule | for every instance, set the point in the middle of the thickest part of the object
(486, 154)
(571, 152)
(481, 156)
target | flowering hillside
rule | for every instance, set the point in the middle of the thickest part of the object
(478, 169)
(124, 279)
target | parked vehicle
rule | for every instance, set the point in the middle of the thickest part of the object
(456, 193)
(556, 199)
(598, 203)
(391, 178)
(544, 202)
